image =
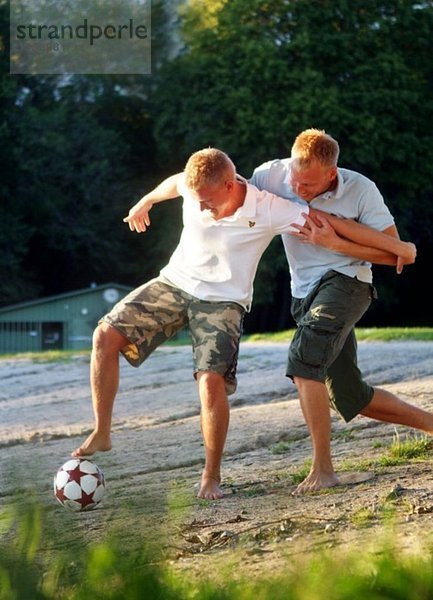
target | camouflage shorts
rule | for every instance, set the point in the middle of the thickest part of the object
(154, 312)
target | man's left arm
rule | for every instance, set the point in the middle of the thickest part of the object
(348, 237)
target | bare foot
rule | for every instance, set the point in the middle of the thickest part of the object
(96, 442)
(210, 487)
(317, 480)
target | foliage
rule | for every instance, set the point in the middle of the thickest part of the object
(258, 72)
(106, 570)
(67, 161)
(74, 149)
(244, 75)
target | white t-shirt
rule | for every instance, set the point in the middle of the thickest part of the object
(355, 197)
(216, 260)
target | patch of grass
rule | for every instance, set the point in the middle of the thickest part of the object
(364, 464)
(285, 444)
(378, 444)
(370, 334)
(363, 517)
(276, 337)
(412, 447)
(255, 490)
(280, 447)
(367, 515)
(299, 475)
(48, 356)
(345, 435)
(399, 452)
(389, 461)
(368, 464)
(388, 334)
(204, 502)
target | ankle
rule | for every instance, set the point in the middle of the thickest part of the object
(211, 475)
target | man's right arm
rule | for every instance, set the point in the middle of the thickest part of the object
(138, 216)
(355, 239)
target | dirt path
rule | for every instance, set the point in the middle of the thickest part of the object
(151, 473)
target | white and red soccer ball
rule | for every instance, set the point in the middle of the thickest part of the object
(79, 484)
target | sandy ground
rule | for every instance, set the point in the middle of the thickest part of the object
(154, 467)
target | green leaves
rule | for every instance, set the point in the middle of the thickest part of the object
(243, 75)
(254, 73)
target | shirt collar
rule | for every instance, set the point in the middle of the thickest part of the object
(248, 208)
(338, 192)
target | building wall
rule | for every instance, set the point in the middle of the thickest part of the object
(59, 322)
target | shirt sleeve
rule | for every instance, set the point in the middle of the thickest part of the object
(260, 176)
(373, 211)
(190, 208)
(283, 213)
(181, 187)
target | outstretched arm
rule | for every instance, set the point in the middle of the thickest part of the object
(138, 217)
(354, 239)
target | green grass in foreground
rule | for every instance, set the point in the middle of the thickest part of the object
(109, 570)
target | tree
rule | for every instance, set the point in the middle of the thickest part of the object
(76, 152)
(256, 72)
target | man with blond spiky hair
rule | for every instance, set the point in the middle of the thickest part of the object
(331, 290)
(206, 286)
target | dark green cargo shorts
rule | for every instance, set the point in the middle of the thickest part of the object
(324, 345)
(154, 312)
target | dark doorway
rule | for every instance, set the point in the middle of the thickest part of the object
(52, 336)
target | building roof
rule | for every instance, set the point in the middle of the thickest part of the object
(46, 299)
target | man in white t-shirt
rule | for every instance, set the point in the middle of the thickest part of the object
(207, 286)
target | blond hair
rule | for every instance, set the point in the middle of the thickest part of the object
(208, 167)
(315, 145)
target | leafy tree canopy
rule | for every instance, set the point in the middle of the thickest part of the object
(253, 73)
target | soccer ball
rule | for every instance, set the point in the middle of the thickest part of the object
(79, 484)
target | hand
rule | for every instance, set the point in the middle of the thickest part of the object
(316, 231)
(408, 259)
(399, 265)
(138, 217)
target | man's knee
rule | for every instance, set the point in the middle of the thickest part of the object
(210, 384)
(303, 383)
(106, 337)
(209, 378)
(298, 381)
